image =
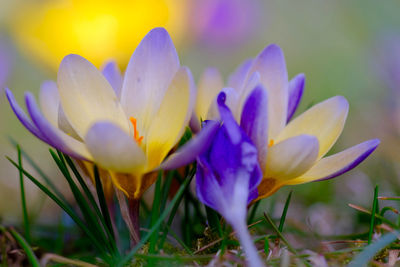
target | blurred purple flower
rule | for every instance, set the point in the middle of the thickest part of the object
(227, 177)
(219, 23)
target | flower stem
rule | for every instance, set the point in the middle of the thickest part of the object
(253, 259)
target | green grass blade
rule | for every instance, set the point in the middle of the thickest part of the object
(165, 190)
(253, 212)
(23, 199)
(101, 215)
(155, 227)
(266, 245)
(25, 246)
(371, 250)
(103, 203)
(87, 212)
(64, 205)
(155, 212)
(169, 221)
(374, 211)
(45, 178)
(284, 212)
(279, 234)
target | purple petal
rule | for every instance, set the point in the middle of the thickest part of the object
(23, 118)
(238, 78)
(371, 146)
(207, 188)
(231, 126)
(193, 148)
(52, 134)
(113, 76)
(296, 88)
(254, 121)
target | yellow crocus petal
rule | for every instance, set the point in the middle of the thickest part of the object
(86, 96)
(291, 157)
(337, 164)
(113, 149)
(49, 100)
(324, 120)
(210, 84)
(133, 186)
(169, 122)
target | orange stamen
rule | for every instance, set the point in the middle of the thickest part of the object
(271, 143)
(136, 136)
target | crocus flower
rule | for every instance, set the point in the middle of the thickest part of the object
(127, 130)
(96, 29)
(227, 177)
(290, 152)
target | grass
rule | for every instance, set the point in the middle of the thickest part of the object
(180, 230)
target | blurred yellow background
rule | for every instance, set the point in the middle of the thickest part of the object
(341, 46)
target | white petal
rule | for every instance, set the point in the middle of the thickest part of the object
(49, 100)
(270, 63)
(150, 71)
(171, 119)
(292, 157)
(113, 149)
(210, 84)
(324, 120)
(86, 96)
(337, 164)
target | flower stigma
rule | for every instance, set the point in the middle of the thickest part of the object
(271, 142)
(136, 136)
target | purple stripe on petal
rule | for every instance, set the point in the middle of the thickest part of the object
(296, 88)
(193, 148)
(113, 76)
(254, 121)
(23, 118)
(373, 144)
(47, 129)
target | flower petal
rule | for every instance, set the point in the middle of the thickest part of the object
(196, 146)
(324, 120)
(296, 88)
(254, 122)
(207, 188)
(238, 78)
(113, 75)
(150, 71)
(49, 100)
(113, 149)
(171, 119)
(291, 157)
(210, 84)
(337, 164)
(23, 118)
(270, 63)
(54, 136)
(86, 96)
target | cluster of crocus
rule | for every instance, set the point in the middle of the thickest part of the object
(263, 102)
(248, 148)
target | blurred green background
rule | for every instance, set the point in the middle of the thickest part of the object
(344, 48)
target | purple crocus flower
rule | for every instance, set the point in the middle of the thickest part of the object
(290, 150)
(227, 177)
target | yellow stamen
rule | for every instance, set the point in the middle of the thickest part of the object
(271, 143)
(136, 136)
